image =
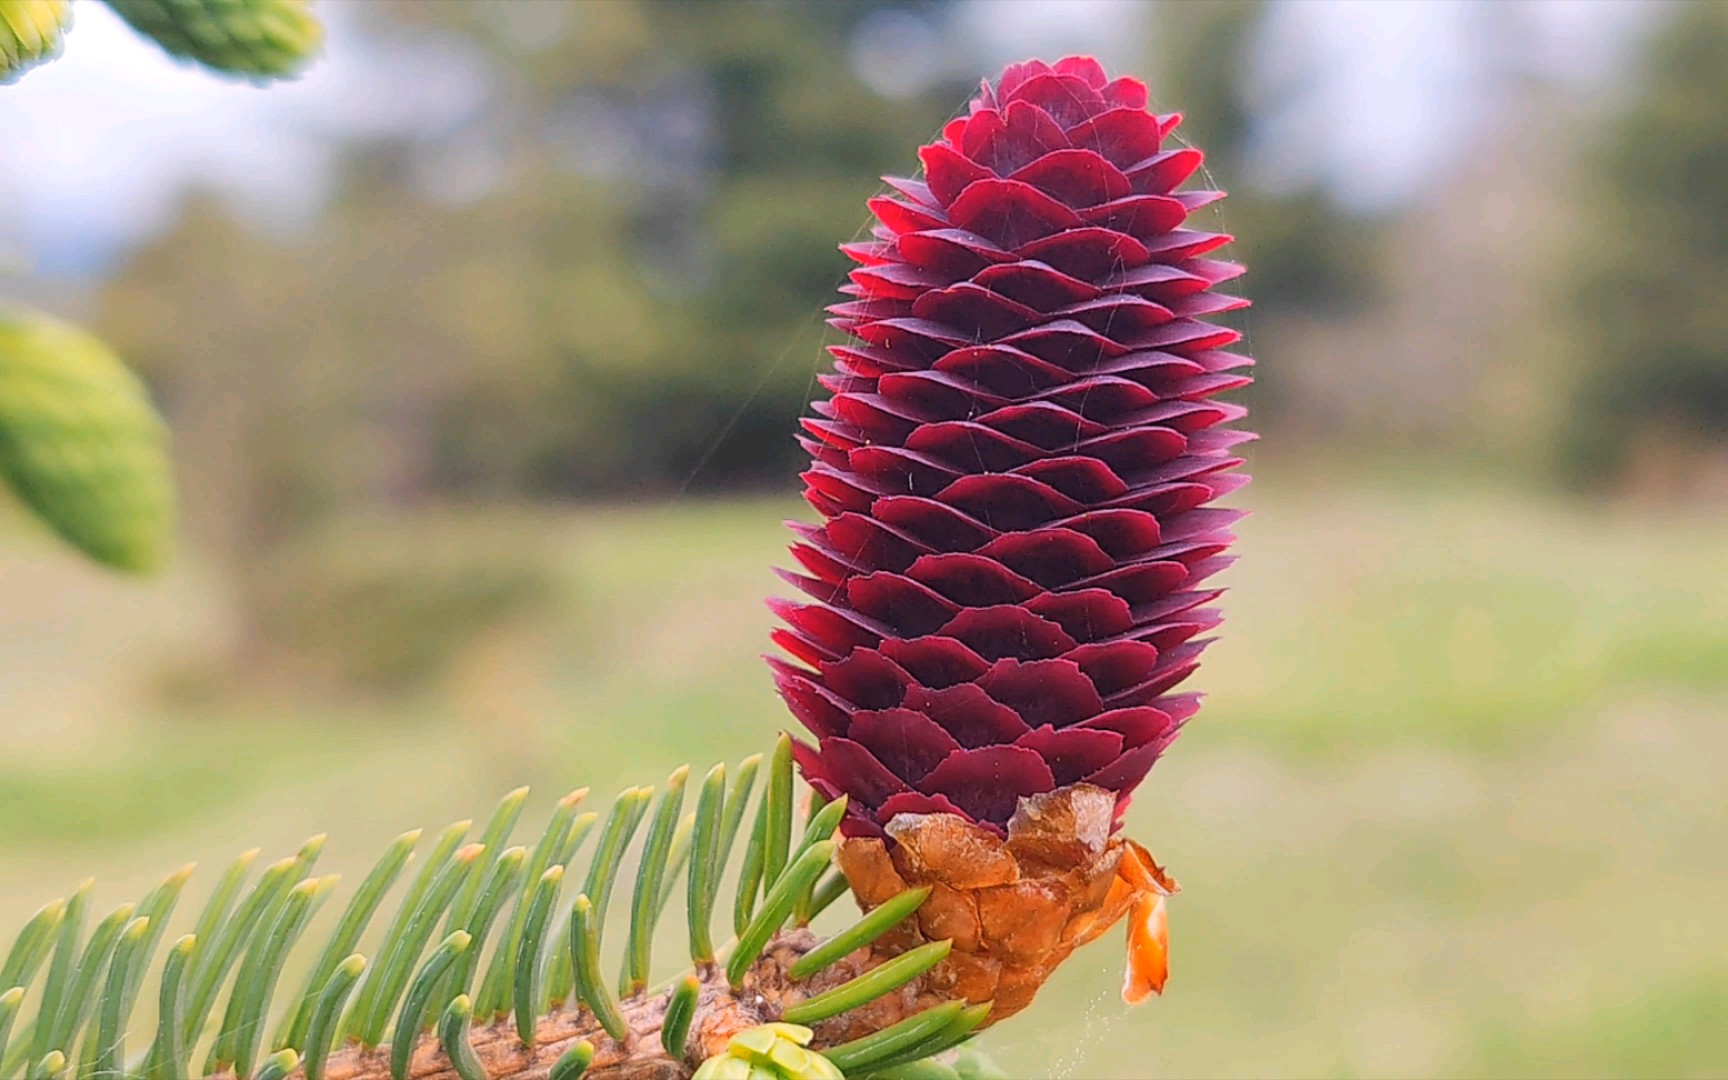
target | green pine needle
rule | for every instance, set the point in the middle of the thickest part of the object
(683, 836)
(494, 836)
(627, 814)
(750, 877)
(645, 909)
(830, 889)
(60, 971)
(869, 986)
(954, 1033)
(821, 825)
(453, 1036)
(114, 1006)
(585, 961)
(259, 986)
(277, 1066)
(737, 801)
(705, 865)
(214, 916)
(353, 923)
(680, 1010)
(31, 944)
(365, 1004)
(861, 933)
(918, 1070)
(502, 881)
(167, 1058)
(413, 1011)
(10, 1002)
(778, 808)
(528, 951)
(402, 953)
(573, 1062)
(776, 907)
(80, 995)
(326, 1014)
(497, 989)
(158, 906)
(877, 1048)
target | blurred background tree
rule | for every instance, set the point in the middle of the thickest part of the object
(1308, 260)
(1651, 274)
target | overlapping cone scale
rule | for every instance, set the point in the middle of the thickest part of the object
(1017, 464)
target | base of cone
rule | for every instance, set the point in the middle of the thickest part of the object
(1015, 908)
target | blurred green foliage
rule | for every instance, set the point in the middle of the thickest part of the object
(1303, 254)
(388, 607)
(1306, 259)
(1652, 266)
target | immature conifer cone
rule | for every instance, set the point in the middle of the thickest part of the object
(1016, 469)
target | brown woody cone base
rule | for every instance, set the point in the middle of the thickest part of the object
(1015, 908)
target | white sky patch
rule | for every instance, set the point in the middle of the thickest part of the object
(97, 146)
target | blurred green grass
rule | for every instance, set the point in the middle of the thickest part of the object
(1454, 807)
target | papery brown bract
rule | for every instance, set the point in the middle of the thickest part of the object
(1017, 464)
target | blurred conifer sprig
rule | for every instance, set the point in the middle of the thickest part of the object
(486, 961)
(80, 443)
(30, 32)
(261, 39)
(257, 39)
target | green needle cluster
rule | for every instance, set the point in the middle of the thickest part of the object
(471, 939)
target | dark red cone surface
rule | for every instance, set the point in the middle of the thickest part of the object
(1017, 464)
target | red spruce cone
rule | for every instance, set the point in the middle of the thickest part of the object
(1016, 469)
(1017, 464)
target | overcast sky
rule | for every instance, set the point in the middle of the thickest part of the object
(96, 146)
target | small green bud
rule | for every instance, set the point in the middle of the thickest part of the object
(264, 39)
(769, 1052)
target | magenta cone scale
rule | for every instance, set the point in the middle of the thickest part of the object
(1017, 464)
